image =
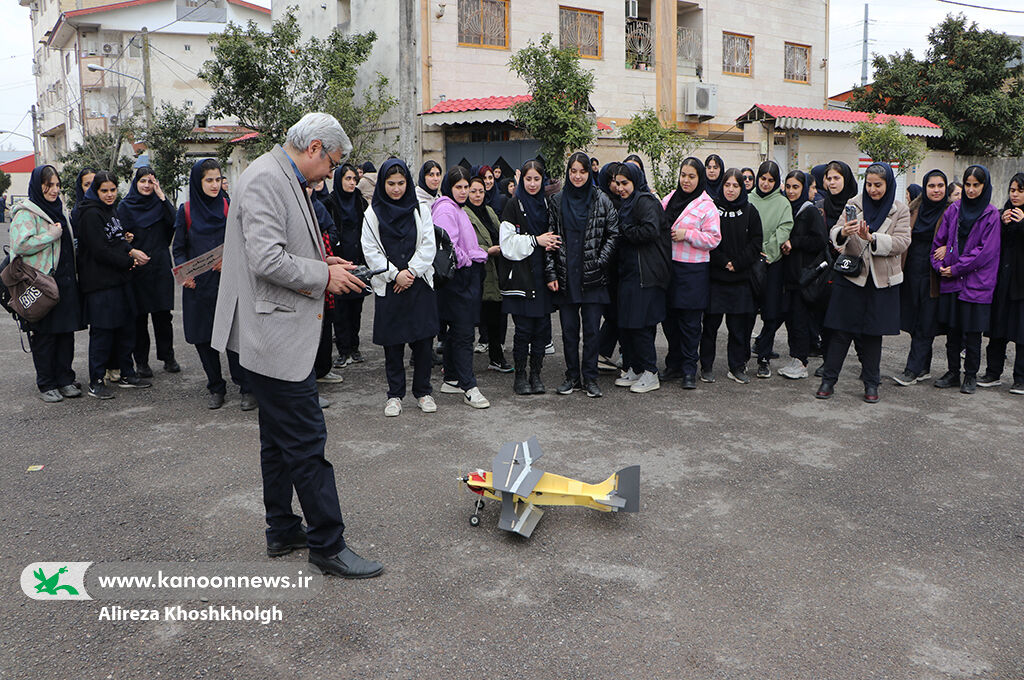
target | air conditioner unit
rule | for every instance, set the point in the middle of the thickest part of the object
(108, 48)
(701, 100)
(632, 9)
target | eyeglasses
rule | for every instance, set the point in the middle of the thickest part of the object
(334, 164)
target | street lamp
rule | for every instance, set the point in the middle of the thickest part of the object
(17, 134)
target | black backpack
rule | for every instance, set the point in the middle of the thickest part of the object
(444, 259)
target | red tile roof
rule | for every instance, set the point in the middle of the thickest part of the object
(134, 3)
(244, 138)
(23, 164)
(840, 116)
(481, 104)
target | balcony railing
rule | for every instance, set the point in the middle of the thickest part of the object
(689, 47)
(639, 45)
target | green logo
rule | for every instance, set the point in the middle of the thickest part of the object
(49, 585)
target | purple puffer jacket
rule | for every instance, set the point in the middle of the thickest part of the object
(975, 270)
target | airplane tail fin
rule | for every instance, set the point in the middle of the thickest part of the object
(628, 488)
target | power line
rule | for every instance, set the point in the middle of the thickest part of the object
(15, 128)
(991, 9)
(204, 95)
(187, 68)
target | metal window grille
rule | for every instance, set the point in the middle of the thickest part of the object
(639, 43)
(483, 22)
(798, 60)
(737, 54)
(580, 30)
(688, 45)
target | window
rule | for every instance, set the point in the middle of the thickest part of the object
(737, 54)
(798, 63)
(580, 29)
(134, 48)
(188, 103)
(188, 48)
(67, 62)
(483, 23)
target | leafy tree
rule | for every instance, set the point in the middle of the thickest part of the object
(5, 182)
(558, 113)
(888, 144)
(665, 147)
(267, 81)
(93, 152)
(165, 140)
(963, 84)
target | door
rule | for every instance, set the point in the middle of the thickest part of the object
(515, 153)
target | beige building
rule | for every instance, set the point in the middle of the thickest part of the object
(74, 35)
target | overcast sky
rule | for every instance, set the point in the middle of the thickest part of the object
(895, 26)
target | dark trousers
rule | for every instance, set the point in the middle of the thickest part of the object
(688, 323)
(869, 349)
(532, 335)
(798, 327)
(764, 345)
(347, 316)
(493, 328)
(324, 350)
(740, 326)
(638, 351)
(163, 332)
(458, 354)
(957, 340)
(52, 355)
(292, 439)
(610, 335)
(570, 316)
(111, 344)
(215, 383)
(919, 359)
(670, 326)
(995, 358)
(394, 368)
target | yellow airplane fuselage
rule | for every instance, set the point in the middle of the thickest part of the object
(552, 490)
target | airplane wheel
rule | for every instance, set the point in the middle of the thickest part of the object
(479, 504)
(474, 521)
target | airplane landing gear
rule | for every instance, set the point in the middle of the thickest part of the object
(475, 519)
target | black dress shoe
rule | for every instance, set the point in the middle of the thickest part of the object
(536, 384)
(948, 379)
(215, 401)
(825, 390)
(144, 371)
(346, 564)
(296, 541)
(668, 374)
(970, 385)
(689, 382)
(172, 366)
(871, 394)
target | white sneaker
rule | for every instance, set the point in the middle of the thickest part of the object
(450, 387)
(794, 370)
(647, 382)
(550, 349)
(426, 404)
(331, 378)
(393, 407)
(626, 379)
(475, 399)
(480, 348)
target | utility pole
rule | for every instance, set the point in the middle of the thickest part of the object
(147, 83)
(35, 135)
(864, 51)
(408, 121)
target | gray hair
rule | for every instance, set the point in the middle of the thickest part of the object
(322, 126)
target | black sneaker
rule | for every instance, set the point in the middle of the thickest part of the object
(739, 375)
(689, 382)
(569, 386)
(592, 389)
(989, 380)
(1018, 388)
(356, 357)
(949, 379)
(171, 366)
(100, 391)
(340, 361)
(134, 381)
(906, 378)
(144, 371)
(707, 376)
(970, 385)
(668, 374)
(764, 369)
(500, 366)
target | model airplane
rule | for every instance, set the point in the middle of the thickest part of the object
(521, 488)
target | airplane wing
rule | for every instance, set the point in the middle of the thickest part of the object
(520, 518)
(512, 468)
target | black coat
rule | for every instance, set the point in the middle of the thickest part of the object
(348, 245)
(153, 283)
(599, 242)
(646, 243)
(103, 259)
(741, 244)
(197, 304)
(523, 278)
(808, 241)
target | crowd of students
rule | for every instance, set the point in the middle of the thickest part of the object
(836, 264)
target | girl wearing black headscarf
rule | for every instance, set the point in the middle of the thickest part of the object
(398, 237)
(347, 208)
(524, 236)
(730, 295)
(803, 251)
(105, 262)
(148, 215)
(493, 322)
(865, 307)
(577, 273)
(198, 229)
(609, 334)
(82, 184)
(428, 185)
(1007, 317)
(966, 257)
(637, 162)
(840, 186)
(714, 168)
(918, 300)
(43, 238)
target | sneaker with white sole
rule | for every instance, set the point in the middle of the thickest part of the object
(331, 378)
(1018, 387)
(794, 370)
(989, 380)
(51, 396)
(550, 349)
(392, 407)
(647, 382)
(906, 378)
(450, 387)
(764, 369)
(475, 399)
(739, 375)
(626, 379)
(481, 348)
(606, 364)
(427, 404)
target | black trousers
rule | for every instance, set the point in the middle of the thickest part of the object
(570, 316)
(799, 325)
(324, 351)
(610, 335)
(458, 354)
(869, 349)
(688, 323)
(957, 340)
(670, 326)
(919, 358)
(292, 439)
(764, 345)
(995, 358)
(532, 335)
(163, 333)
(394, 368)
(493, 329)
(638, 351)
(740, 327)
(111, 344)
(52, 354)
(347, 316)
(215, 383)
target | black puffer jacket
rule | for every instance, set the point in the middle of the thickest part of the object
(808, 241)
(599, 242)
(647, 243)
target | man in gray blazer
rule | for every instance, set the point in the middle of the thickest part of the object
(269, 310)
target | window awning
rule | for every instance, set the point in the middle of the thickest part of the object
(832, 120)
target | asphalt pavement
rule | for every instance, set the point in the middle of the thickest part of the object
(779, 536)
